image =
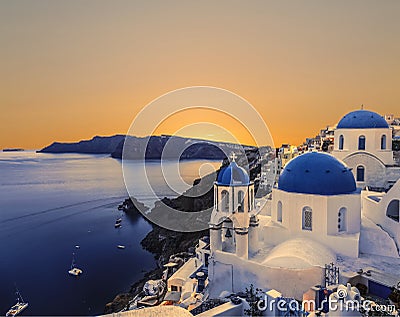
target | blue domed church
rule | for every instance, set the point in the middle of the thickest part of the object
(314, 215)
(317, 198)
(363, 140)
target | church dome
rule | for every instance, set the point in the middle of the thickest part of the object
(362, 119)
(233, 175)
(318, 174)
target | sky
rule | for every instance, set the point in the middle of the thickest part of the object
(70, 70)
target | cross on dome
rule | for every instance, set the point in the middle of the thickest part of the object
(233, 157)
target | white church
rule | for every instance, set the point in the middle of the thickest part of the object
(327, 208)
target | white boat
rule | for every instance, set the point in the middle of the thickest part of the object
(118, 222)
(18, 307)
(74, 270)
(120, 246)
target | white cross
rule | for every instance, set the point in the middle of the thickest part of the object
(233, 156)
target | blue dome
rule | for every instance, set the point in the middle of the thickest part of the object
(362, 119)
(317, 173)
(233, 175)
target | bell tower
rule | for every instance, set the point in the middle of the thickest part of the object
(234, 206)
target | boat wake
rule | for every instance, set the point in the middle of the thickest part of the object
(46, 211)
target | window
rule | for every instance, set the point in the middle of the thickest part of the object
(361, 142)
(342, 225)
(307, 218)
(383, 142)
(360, 173)
(393, 210)
(240, 201)
(279, 214)
(225, 201)
(341, 142)
(174, 288)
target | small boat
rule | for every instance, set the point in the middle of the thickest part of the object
(120, 246)
(118, 223)
(74, 270)
(18, 307)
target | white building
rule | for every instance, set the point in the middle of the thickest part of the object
(315, 215)
(316, 199)
(363, 140)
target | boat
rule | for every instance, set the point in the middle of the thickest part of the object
(74, 270)
(18, 307)
(118, 222)
(120, 246)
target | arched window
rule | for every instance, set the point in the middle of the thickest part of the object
(279, 214)
(360, 173)
(342, 225)
(383, 142)
(307, 218)
(361, 142)
(341, 142)
(392, 210)
(240, 201)
(225, 201)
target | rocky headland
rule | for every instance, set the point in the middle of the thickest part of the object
(149, 148)
(96, 145)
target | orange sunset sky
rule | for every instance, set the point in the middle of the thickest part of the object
(70, 70)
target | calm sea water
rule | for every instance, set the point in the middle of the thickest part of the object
(49, 203)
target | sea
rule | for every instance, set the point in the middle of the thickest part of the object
(56, 207)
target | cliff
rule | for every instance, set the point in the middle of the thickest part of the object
(172, 147)
(150, 147)
(97, 145)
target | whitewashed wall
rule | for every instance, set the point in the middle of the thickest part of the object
(372, 143)
(239, 274)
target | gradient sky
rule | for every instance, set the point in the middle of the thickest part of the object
(70, 70)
